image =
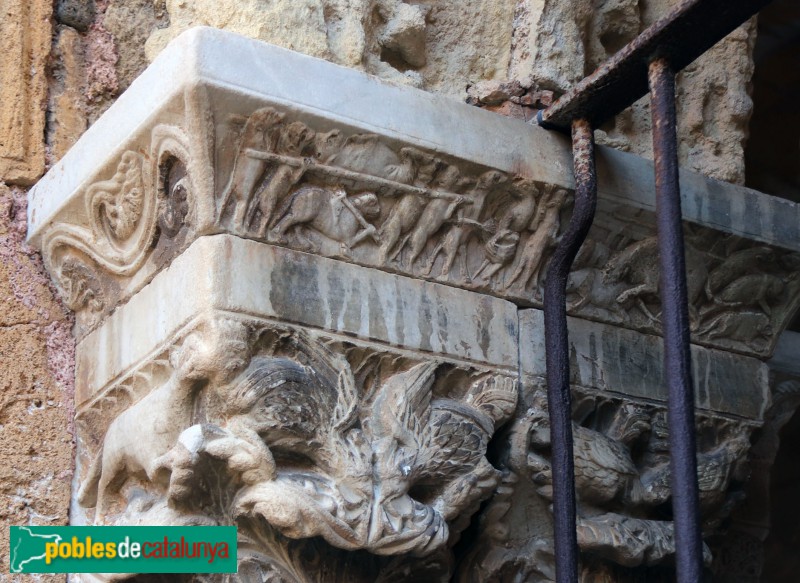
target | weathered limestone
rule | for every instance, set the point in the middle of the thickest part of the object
(558, 43)
(36, 348)
(438, 46)
(25, 46)
(37, 380)
(299, 289)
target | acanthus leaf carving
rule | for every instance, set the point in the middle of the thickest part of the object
(622, 482)
(384, 455)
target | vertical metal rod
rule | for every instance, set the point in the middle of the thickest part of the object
(557, 352)
(675, 318)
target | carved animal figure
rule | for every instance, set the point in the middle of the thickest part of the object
(292, 142)
(332, 213)
(419, 440)
(587, 287)
(753, 328)
(366, 153)
(259, 133)
(266, 398)
(715, 470)
(629, 541)
(436, 213)
(466, 226)
(327, 146)
(545, 225)
(500, 249)
(604, 469)
(736, 265)
(208, 357)
(748, 290)
(637, 265)
(359, 496)
(420, 167)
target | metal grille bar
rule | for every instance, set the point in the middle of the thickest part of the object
(557, 351)
(647, 63)
(689, 30)
(675, 320)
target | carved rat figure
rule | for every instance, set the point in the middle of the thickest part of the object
(544, 225)
(436, 213)
(467, 223)
(417, 167)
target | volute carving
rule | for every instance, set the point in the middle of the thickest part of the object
(293, 438)
(124, 216)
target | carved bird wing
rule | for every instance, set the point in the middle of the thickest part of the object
(402, 411)
(602, 466)
(334, 373)
(495, 396)
(595, 449)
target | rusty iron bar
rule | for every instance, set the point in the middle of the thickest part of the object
(689, 30)
(675, 321)
(648, 63)
(557, 351)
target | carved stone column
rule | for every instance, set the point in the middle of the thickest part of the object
(298, 299)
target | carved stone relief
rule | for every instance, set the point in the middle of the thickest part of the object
(362, 452)
(367, 200)
(740, 292)
(359, 198)
(293, 437)
(145, 196)
(622, 479)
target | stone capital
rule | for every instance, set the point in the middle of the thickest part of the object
(308, 301)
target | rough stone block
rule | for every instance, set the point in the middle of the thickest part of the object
(79, 14)
(25, 46)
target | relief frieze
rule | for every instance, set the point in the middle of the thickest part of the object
(362, 198)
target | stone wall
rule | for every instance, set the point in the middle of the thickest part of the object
(36, 345)
(444, 47)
